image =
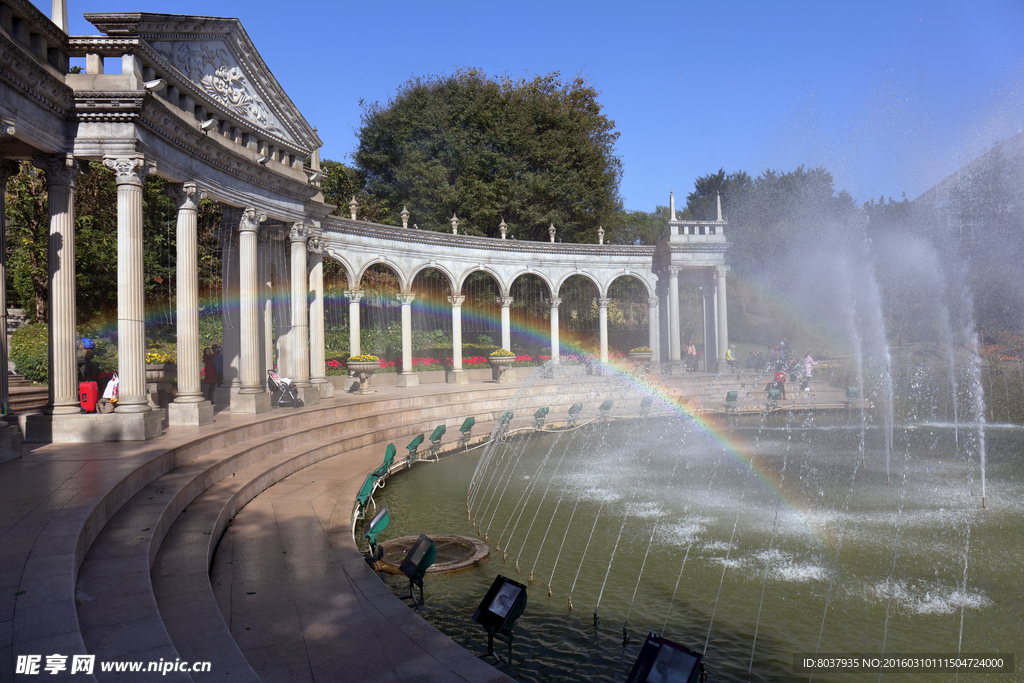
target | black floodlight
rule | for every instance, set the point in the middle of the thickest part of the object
(376, 525)
(661, 661)
(417, 561)
(504, 602)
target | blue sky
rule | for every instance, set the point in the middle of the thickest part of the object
(890, 97)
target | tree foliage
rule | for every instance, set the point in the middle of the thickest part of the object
(533, 152)
(28, 227)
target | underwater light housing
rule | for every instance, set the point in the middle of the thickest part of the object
(662, 660)
(417, 561)
(504, 602)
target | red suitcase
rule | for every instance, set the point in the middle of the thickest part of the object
(88, 396)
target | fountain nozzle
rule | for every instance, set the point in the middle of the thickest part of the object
(625, 636)
(570, 602)
(549, 590)
(597, 622)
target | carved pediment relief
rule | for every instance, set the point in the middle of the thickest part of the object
(217, 57)
(216, 72)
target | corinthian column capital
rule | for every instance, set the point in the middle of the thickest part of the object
(298, 233)
(315, 243)
(128, 170)
(60, 169)
(251, 220)
(186, 196)
(7, 169)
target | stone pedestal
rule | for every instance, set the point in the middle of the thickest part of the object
(457, 377)
(407, 379)
(10, 442)
(92, 427)
(190, 414)
(250, 404)
(310, 395)
(326, 389)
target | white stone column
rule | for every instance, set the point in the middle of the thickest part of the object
(317, 350)
(61, 172)
(723, 320)
(653, 337)
(131, 324)
(297, 236)
(252, 397)
(506, 322)
(7, 169)
(673, 315)
(231, 340)
(353, 296)
(602, 326)
(264, 254)
(555, 303)
(189, 407)
(280, 265)
(407, 378)
(10, 435)
(458, 375)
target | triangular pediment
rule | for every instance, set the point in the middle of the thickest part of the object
(217, 57)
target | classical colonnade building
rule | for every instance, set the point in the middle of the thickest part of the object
(194, 103)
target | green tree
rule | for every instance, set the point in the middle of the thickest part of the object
(533, 152)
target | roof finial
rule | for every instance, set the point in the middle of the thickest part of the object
(671, 205)
(315, 162)
(718, 195)
(59, 15)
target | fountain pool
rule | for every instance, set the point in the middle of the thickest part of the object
(750, 545)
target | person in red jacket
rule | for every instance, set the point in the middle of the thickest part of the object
(209, 374)
(779, 383)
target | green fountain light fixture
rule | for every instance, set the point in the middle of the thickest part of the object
(377, 524)
(504, 602)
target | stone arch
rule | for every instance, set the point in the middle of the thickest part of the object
(345, 265)
(544, 277)
(578, 316)
(530, 314)
(403, 283)
(444, 270)
(583, 273)
(628, 311)
(502, 285)
(431, 310)
(693, 313)
(481, 309)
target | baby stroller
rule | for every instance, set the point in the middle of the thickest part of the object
(288, 392)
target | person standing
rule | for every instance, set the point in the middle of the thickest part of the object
(730, 356)
(808, 364)
(691, 356)
(218, 362)
(209, 374)
(779, 383)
